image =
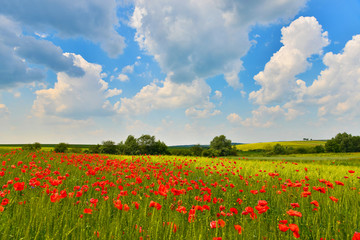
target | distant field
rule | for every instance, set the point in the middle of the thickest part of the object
(44, 147)
(269, 145)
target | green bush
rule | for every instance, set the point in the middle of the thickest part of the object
(61, 148)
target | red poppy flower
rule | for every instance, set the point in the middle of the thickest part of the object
(238, 228)
(334, 199)
(234, 210)
(88, 210)
(283, 227)
(315, 203)
(356, 236)
(19, 186)
(294, 213)
(295, 205)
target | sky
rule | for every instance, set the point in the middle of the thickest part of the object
(185, 71)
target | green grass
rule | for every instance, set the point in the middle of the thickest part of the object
(269, 145)
(156, 178)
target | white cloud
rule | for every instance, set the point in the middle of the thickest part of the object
(303, 38)
(113, 92)
(123, 77)
(92, 19)
(128, 69)
(202, 111)
(76, 97)
(18, 52)
(234, 118)
(261, 117)
(200, 39)
(4, 111)
(218, 94)
(337, 88)
(167, 95)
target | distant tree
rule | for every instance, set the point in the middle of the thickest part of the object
(32, 147)
(131, 146)
(37, 145)
(146, 144)
(95, 148)
(279, 149)
(75, 150)
(343, 142)
(211, 153)
(27, 147)
(180, 152)
(61, 148)
(108, 147)
(319, 149)
(222, 145)
(196, 150)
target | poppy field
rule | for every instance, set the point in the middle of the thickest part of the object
(47, 195)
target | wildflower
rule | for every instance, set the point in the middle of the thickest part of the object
(88, 210)
(356, 236)
(238, 228)
(19, 186)
(294, 213)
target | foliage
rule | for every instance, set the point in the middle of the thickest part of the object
(221, 146)
(109, 147)
(32, 147)
(131, 146)
(196, 150)
(61, 148)
(343, 142)
(75, 150)
(145, 144)
(95, 148)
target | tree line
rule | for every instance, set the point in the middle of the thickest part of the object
(342, 142)
(146, 144)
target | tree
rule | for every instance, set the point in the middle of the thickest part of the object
(32, 147)
(131, 146)
(95, 148)
(319, 149)
(343, 142)
(61, 148)
(222, 145)
(279, 149)
(196, 150)
(37, 145)
(108, 147)
(148, 145)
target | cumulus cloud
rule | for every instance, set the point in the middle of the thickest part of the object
(76, 97)
(92, 19)
(200, 39)
(218, 94)
(167, 95)
(128, 69)
(261, 117)
(123, 77)
(202, 111)
(4, 111)
(17, 52)
(337, 88)
(303, 38)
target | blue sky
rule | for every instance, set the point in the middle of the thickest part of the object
(184, 71)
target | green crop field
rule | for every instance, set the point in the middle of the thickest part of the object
(269, 145)
(45, 195)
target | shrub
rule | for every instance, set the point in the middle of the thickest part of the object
(61, 148)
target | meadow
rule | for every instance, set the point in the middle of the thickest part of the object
(46, 195)
(270, 145)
